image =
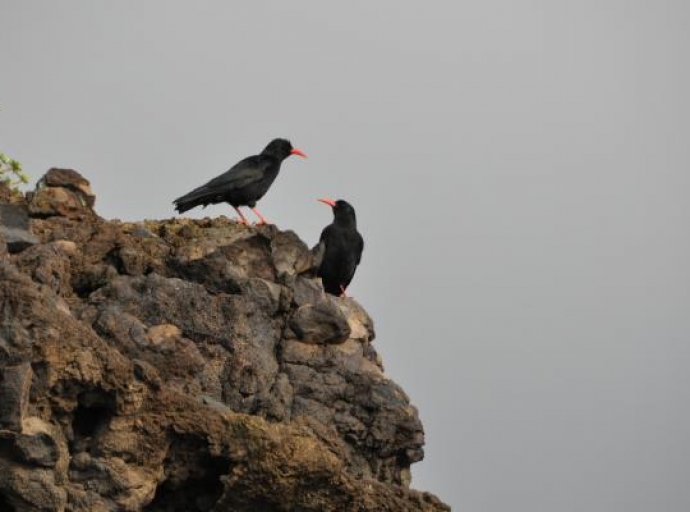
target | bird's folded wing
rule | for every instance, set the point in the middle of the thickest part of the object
(240, 175)
(360, 248)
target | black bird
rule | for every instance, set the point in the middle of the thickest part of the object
(244, 184)
(341, 248)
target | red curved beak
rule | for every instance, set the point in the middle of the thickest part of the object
(329, 202)
(298, 152)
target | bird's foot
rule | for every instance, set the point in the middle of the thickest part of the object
(342, 292)
(262, 219)
(241, 218)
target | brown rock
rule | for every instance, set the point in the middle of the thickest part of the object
(4, 253)
(49, 265)
(290, 254)
(70, 179)
(158, 333)
(15, 382)
(67, 246)
(9, 195)
(361, 324)
(189, 365)
(28, 489)
(62, 192)
(320, 323)
(307, 291)
(37, 444)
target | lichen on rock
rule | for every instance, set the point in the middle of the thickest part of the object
(188, 365)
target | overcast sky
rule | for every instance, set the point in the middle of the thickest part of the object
(520, 171)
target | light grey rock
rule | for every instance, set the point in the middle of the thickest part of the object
(14, 227)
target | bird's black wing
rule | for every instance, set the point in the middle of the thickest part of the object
(243, 173)
(360, 247)
(325, 234)
(357, 247)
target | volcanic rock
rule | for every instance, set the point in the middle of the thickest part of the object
(189, 365)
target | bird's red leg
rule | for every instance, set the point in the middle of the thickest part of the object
(263, 220)
(342, 291)
(243, 219)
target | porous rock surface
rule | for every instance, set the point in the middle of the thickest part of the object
(188, 365)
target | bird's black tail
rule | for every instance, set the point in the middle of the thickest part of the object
(183, 207)
(191, 200)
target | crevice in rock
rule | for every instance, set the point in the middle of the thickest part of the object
(6, 452)
(198, 492)
(87, 420)
(5, 505)
(94, 412)
(91, 280)
(112, 258)
(41, 215)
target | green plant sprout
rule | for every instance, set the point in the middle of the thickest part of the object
(11, 171)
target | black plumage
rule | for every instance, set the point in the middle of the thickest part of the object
(244, 184)
(341, 248)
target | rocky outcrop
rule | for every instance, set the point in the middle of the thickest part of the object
(62, 192)
(188, 365)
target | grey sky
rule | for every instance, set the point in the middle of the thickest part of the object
(520, 172)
